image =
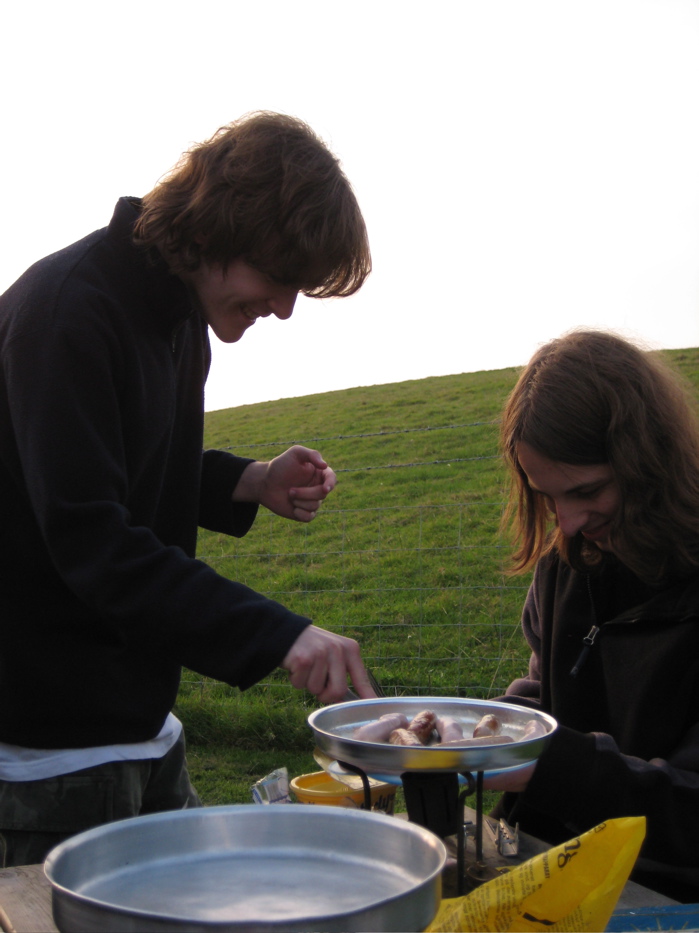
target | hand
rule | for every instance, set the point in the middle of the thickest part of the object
(319, 661)
(514, 781)
(292, 485)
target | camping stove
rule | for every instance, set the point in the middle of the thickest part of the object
(436, 800)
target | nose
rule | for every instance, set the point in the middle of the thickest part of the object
(282, 306)
(571, 518)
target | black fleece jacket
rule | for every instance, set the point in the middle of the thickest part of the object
(102, 486)
(628, 736)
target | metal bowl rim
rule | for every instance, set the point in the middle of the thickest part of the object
(325, 813)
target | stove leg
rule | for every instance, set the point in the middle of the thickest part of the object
(479, 817)
(365, 782)
(461, 836)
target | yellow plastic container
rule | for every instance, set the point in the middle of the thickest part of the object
(320, 788)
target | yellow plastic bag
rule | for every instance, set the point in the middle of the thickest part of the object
(573, 887)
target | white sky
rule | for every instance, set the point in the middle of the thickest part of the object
(524, 166)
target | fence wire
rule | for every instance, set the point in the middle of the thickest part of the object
(419, 581)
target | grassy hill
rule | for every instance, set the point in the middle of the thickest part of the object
(406, 556)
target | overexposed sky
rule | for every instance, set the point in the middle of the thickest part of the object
(524, 166)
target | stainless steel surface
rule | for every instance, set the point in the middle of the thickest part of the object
(333, 728)
(254, 868)
(504, 836)
(338, 773)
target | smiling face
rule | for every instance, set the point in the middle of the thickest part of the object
(584, 498)
(231, 300)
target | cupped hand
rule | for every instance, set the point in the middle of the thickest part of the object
(320, 662)
(292, 485)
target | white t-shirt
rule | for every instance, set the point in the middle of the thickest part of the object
(35, 764)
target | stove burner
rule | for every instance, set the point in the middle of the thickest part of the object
(433, 800)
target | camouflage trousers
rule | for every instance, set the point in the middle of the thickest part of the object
(36, 815)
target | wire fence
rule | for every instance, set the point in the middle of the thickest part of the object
(419, 579)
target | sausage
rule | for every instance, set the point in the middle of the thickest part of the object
(481, 740)
(404, 737)
(488, 725)
(534, 728)
(380, 729)
(449, 729)
(423, 725)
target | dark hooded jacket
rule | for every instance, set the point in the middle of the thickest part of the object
(628, 737)
(103, 484)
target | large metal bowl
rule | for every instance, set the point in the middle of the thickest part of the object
(255, 868)
(334, 726)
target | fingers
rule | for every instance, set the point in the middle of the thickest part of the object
(312, 456)
(303, 515)
(327, 676)
(309, 499)
(314, 664)
(306, 500)
(305, 510)
(360, 679)
(351, 663)
(317, 487)
(318, 472)
(320, 662)
(328, 480)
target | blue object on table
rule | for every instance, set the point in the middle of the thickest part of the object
(683, 917)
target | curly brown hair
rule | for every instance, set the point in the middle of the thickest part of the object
(591, 397)
(265, 189)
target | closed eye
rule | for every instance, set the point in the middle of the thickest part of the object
(589, 493)
(584, 494)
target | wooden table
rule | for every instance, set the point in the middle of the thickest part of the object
(25, 900)
(25, 893)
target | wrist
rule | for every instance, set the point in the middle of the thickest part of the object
(249, 486)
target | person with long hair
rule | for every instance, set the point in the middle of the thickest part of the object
(602, 443)
(104, 354)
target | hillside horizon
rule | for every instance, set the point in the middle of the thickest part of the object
(685, 359)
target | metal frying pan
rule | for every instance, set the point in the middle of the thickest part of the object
(333, 728)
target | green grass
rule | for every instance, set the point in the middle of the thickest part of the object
(406, 556)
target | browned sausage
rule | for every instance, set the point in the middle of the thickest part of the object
(489, 725)
(403, 737)
(423, 725)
